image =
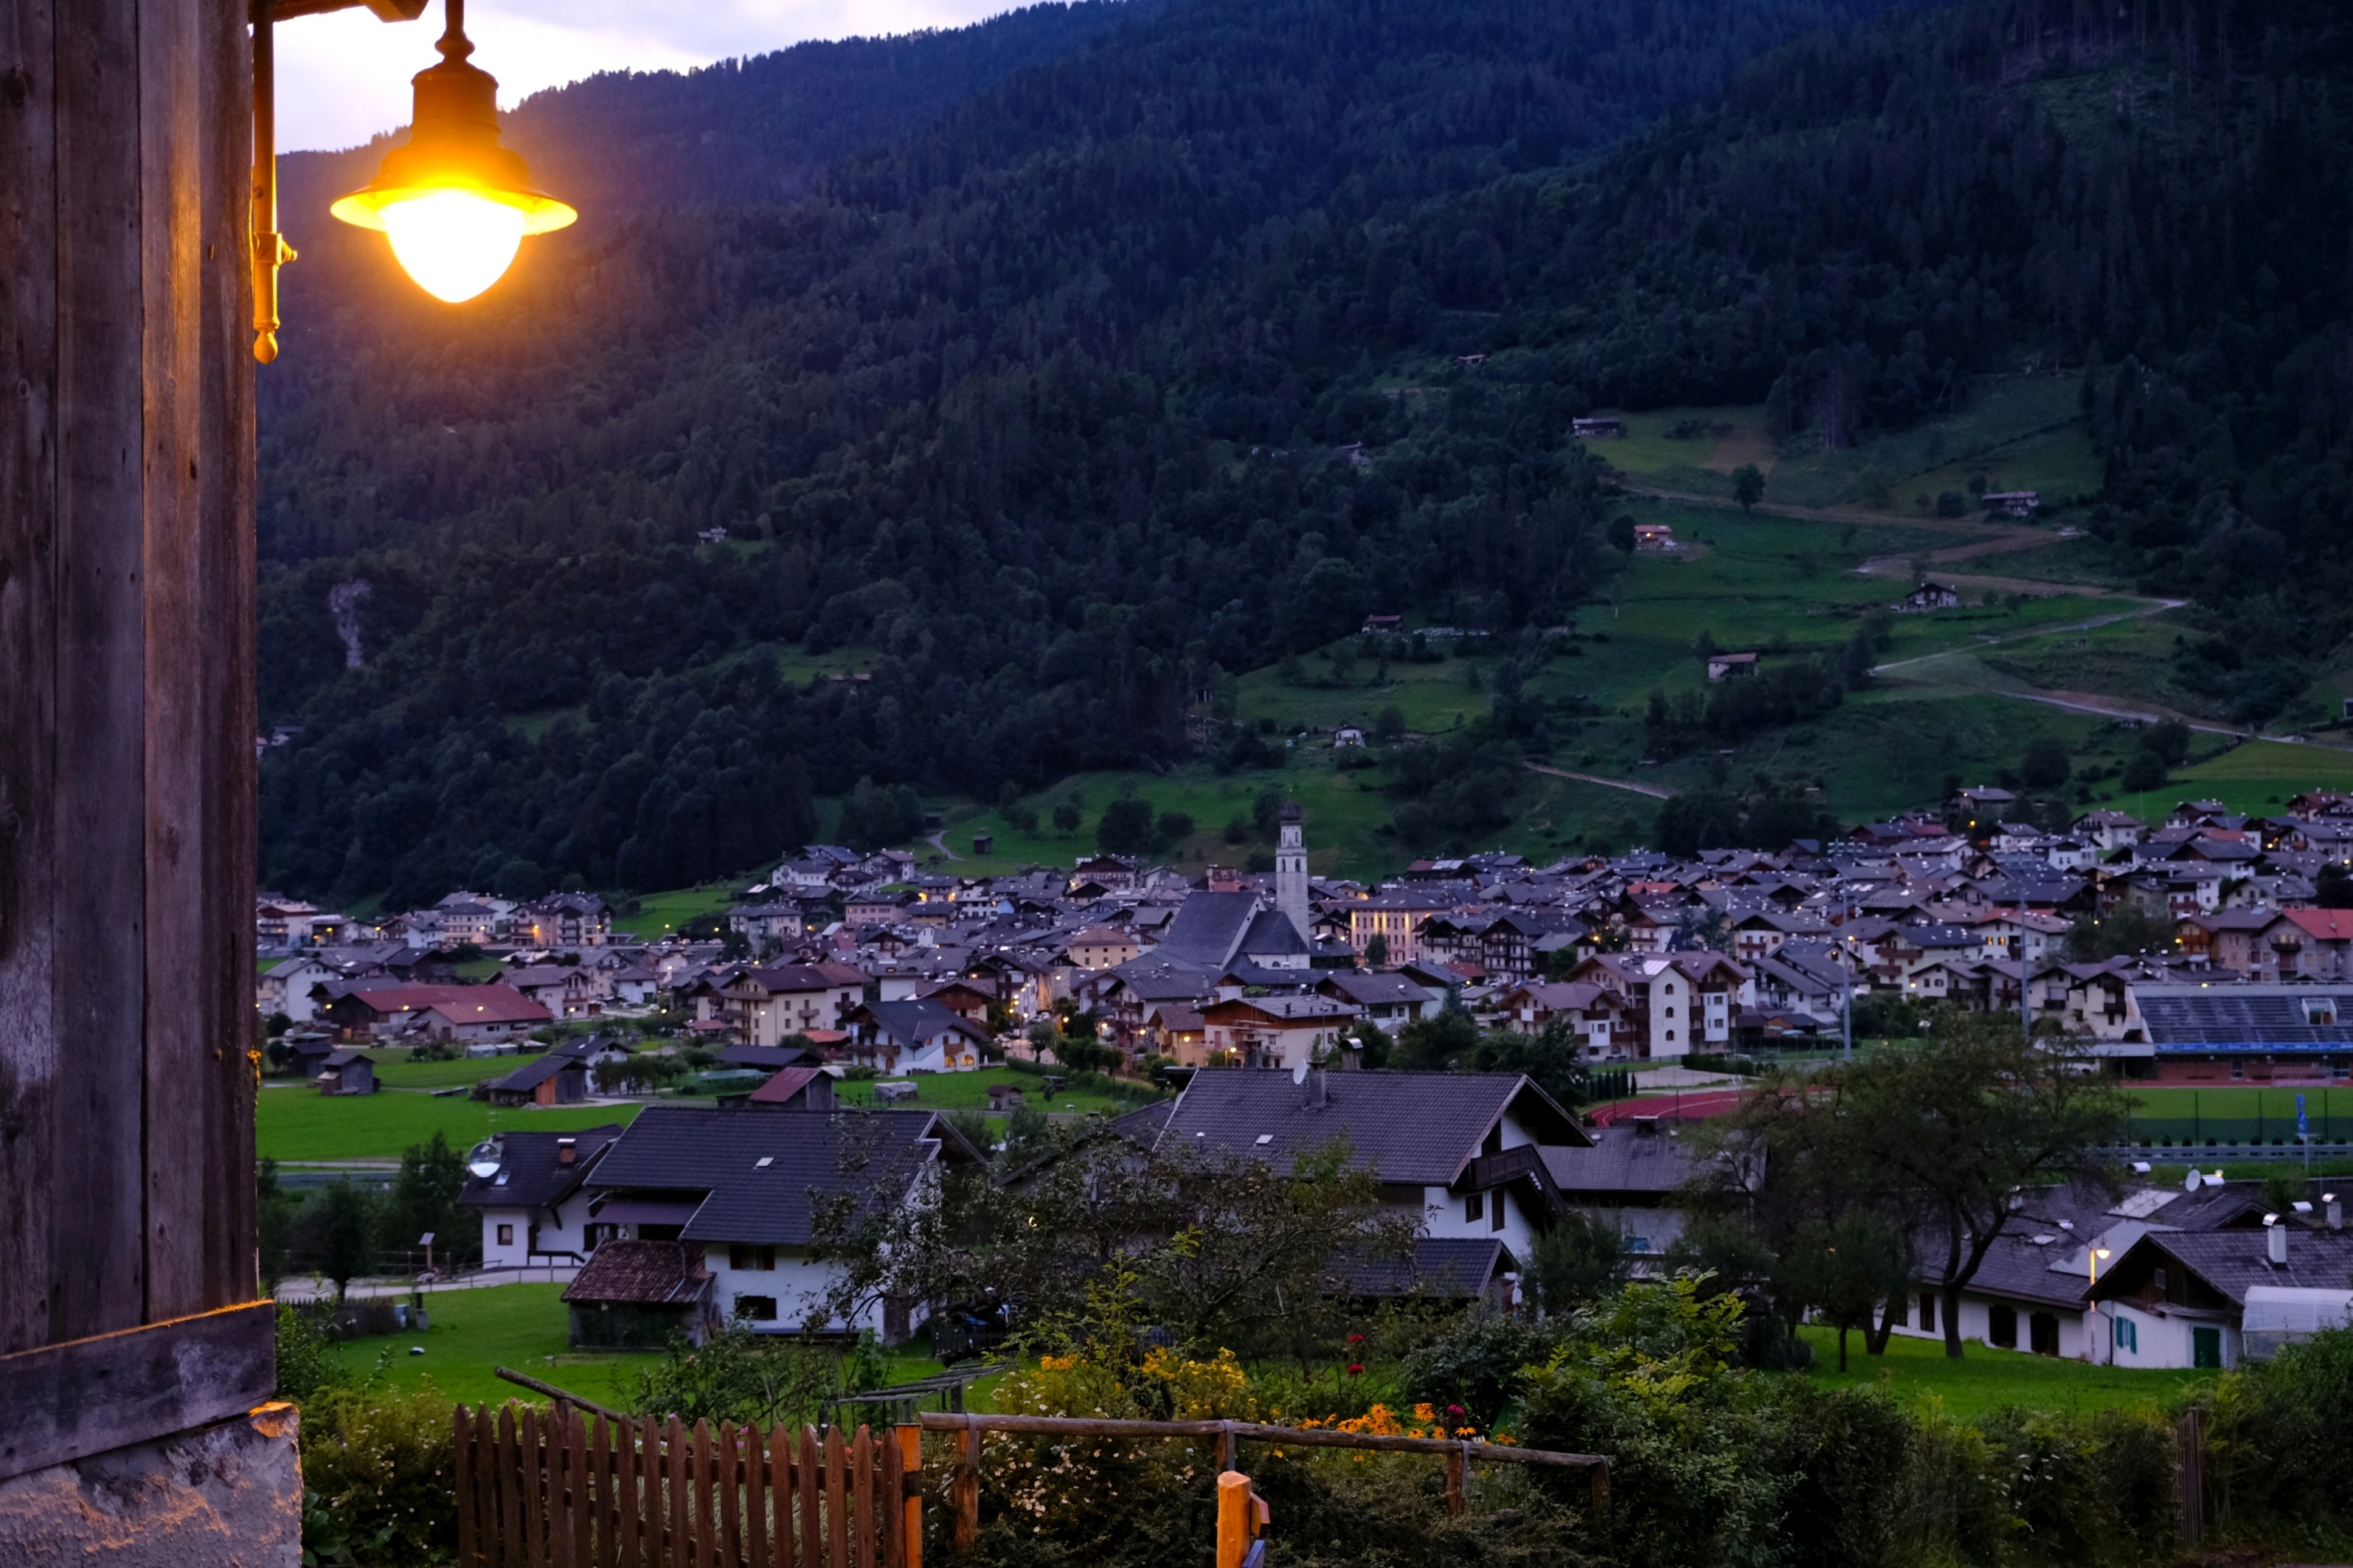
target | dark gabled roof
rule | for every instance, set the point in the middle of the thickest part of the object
(1144, 1125)
(787, 1083)
(872, 1156)
(911, 1021)
(768, 1058)
(537, 1070)
(1155, 978)
(534, 1177)
(1208, 927)
(1621, 1160)
(1373, 990)
(1417, 1128)
(1449, 1268)
(641, 1274)
(1271, 932)
(2232, 1260)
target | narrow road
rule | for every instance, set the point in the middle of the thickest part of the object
(1653, 790)
(939, 841)
(1968, 528)
(2148, 607)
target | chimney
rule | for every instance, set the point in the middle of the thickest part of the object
(567, 1151)
(1317, 1092)
(2335, 1211)
(2275, 1240)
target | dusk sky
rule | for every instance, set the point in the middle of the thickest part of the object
(344, 77)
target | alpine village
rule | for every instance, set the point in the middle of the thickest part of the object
(1307, 783)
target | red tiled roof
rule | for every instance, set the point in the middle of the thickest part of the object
(458, 1004)
(2322, 925)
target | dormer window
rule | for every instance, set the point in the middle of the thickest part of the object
(2321, 1012)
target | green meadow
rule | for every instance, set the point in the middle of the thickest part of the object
(293, 1121)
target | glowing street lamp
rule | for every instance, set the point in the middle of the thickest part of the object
(455, 204)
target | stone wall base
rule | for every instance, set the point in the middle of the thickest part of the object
(224, 1496)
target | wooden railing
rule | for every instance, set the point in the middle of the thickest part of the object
(1229, 1437)
(556, 1489)
(561, 1490)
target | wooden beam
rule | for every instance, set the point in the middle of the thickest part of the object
(28, 347)
(95, 1180)
(127, 821)
(69, 1401)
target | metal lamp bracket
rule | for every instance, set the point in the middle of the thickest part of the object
(270, 250)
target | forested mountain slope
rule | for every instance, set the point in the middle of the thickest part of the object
(1046, 402)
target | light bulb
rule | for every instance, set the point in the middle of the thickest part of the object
(455, 244)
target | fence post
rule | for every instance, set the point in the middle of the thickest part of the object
(967, 1486)
(911, 1469)
(1600, 1474)
(2191, 1441)
(1457, 1463)
(1229, 1450)
(1234, 1520)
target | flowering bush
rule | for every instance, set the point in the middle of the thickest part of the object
(379, 1483)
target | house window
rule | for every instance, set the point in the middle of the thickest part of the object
(2043, 1330)
(1474, 1206)
(2127, 1336)
(1496, 1214)
(506, 1236)
(752, 1258)
(1927, 1311)
(2002, 1328)
(756, 1309)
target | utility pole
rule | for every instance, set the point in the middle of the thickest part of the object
(1846, 979)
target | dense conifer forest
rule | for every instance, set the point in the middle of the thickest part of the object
(1136, 347)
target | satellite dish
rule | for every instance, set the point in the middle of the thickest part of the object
(1298, 1071)
(486, 1159)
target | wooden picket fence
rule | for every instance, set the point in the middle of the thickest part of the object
(558, 1489)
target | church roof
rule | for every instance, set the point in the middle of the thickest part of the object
(1208, 927)
(1273, 934)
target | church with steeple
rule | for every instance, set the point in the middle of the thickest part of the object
(1214, 931)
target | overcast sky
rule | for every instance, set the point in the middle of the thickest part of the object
(343, 78)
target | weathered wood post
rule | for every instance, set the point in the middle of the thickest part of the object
(1242, 1514)
(911, 1467)
(129, 1318)
(967, 1487)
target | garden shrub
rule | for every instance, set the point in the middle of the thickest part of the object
(379, 1482)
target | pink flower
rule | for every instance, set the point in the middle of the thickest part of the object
(1356, 1368)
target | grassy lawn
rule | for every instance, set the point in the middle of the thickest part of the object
(295, 1121)
(394, 1068)
(969, 1092)
(2238, 1114)
(659, 913)
(2259, 777)
(525, 1327)
(1985, 1380)
(2021, 432)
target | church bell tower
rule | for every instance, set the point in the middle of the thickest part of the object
(1290, 873)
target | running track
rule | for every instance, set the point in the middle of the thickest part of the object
(1694, 1106)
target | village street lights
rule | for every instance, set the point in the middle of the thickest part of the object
(455, 204)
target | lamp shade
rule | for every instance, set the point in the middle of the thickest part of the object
(454, 202)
